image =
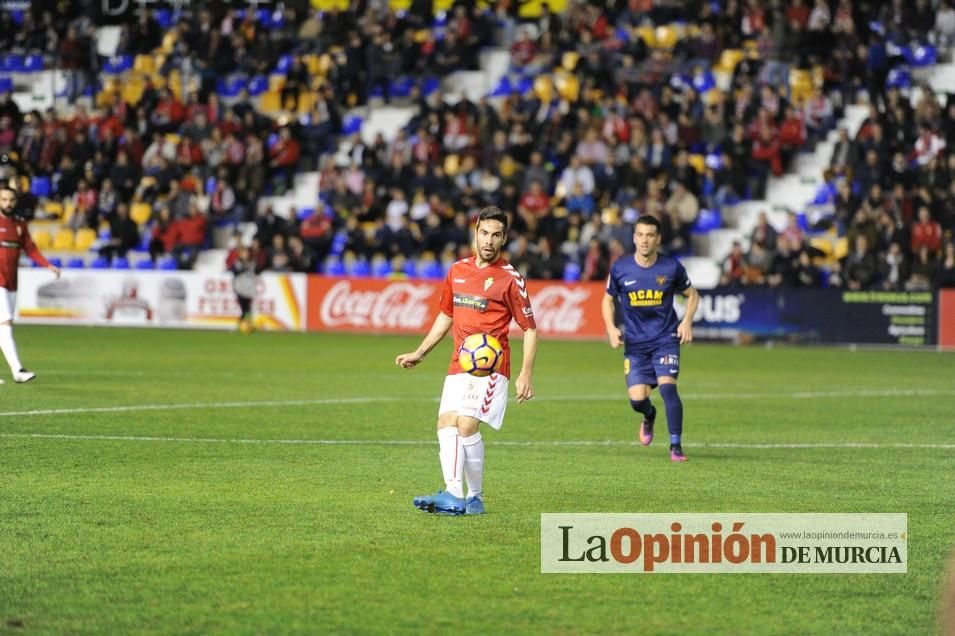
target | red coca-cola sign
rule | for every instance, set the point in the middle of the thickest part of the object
(410, 306)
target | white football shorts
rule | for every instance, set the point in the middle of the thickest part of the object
(8, 304)
(484, 399)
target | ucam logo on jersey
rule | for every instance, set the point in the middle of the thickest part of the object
(723, 543)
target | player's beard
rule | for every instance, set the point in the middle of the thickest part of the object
(488, 254)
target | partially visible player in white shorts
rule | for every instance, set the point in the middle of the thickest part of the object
(484, 399)
(8, 305)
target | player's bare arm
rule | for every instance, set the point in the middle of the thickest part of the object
(524, 385)
(438, 330)
(613, 332)
(685, 329)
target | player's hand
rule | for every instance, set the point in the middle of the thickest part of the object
(615, 337)
(525, 390)
(55, 270)
(409, 360)
(685, 331)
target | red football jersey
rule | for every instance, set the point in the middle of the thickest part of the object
(14, 236)
(484, 300)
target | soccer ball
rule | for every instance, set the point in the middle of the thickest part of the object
(480, 354)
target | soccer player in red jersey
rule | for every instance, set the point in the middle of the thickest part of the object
(14, 236)
(482, 294)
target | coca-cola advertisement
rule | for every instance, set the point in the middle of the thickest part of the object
(410, 306)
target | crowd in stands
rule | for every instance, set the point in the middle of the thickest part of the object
(606, 113)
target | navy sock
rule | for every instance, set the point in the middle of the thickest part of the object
(643, 406)
(674, 407)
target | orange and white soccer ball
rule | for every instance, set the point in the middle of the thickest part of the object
(480, 354)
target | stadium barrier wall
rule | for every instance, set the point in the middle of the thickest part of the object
(823, 316)
(298, 302)
(156, 299)
(946, 318)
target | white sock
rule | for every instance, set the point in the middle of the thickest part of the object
(474, 463)
(451, 454)
(9, 348)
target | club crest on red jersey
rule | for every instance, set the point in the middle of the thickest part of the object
(488, 282)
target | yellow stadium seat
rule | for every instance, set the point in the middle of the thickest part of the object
(173, 138)
(84, 239)
(306, 100)
(451, 165)
(133, 91)
(729, 58)
(140, 213)
(42, 239)
(63, 239)
(568, 86)
(544, 88)
(276, 82)
(270, 102)
(54, 208)
(145, 64)
(666, 37)
(841, 248)
(648, 35)
(569, 60)
(698, 162)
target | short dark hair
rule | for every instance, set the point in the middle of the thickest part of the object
(7, 186)
(649, 219)
(492, 213)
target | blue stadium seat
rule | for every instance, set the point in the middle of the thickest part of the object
(304, 213)
(17, 16)
(210, 185)
(55, 261)
(802, 221)
(40, 186)
(430, 85)
(351, 125)
(524, 85)
(165, 18)
(117, 64)
(899, 77)
(6, 85)
(168, 263)
(230, 86)
(334, 267)
(146, 264)
(121, 262)
(704, 82)
(571, 272)
(430, 270)
(257, 85)
(707, 220)
(924, 55)
(76, 263)
(503, 87)
(411, 268)
(101, 262)
(11, 63)
(381, 269)
(359, 268)
(401, 87)
(284, 64)
(32, 64)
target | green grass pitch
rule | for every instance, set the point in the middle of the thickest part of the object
(190, 483)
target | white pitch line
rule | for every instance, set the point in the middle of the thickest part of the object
(416, 442)
(799, 395)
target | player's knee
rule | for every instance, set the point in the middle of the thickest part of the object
(467, 426)
(446, 420)
(641, 406)
(668, 391)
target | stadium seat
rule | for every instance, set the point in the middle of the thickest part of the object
(11, 63)
(165, 18)
(145, 64)
(704, 82)
(146, 264)
(410, 268)
(569, 60)
(121, 262)
(56, 261)
(666, 37)
(43, 239)
(40, 186)
(230, 86)
(334, 267)
(140, 213)
(117, 64)
(430, 269)
(284, 64)
(924, 55)
(270, 102)
(899, 77)
(707, 220)
(84, 239)
(359, 267)
(381, 269)
(76, 263)
(430, 85)
(32, 64)
(6, 85)
(729, 58)
(698, 162)
(101, 262)
(63, 239)
(571, 272)
(168, 263)
(257, 85)
(401, 87)
(351, 125)
(502, 88)
(304, 213)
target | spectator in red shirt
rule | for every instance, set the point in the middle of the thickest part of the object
(190, 234)
(926, 232)
(163, 235)
(534, 205)
(283, 157)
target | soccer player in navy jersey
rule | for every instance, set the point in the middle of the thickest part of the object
(644, 284)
